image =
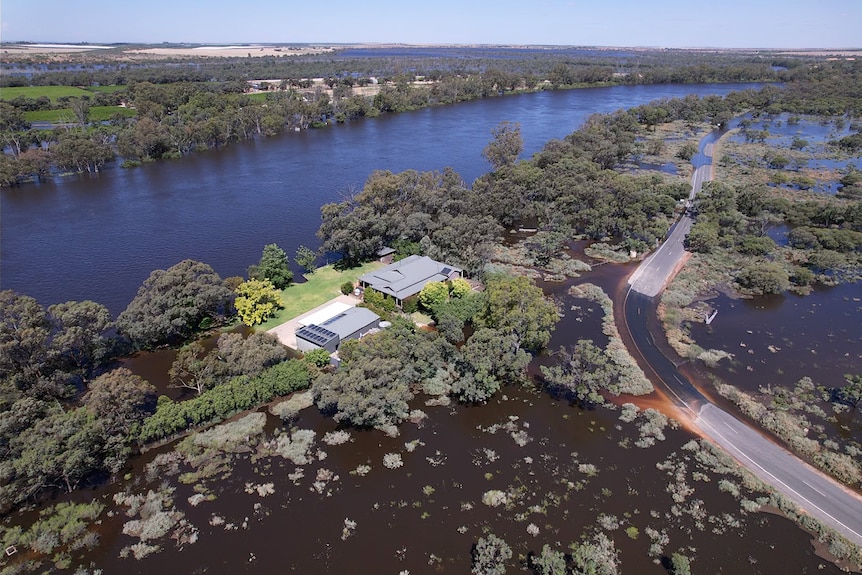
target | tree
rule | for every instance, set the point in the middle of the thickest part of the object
(194, 368)
(273, 266)
(596, 557)
(680, 564)
(584, 371)
(257, 300)
(433, 294)
(517, 306)
(81, 109)
(549, 562)
(507, 145)
(171, 304)
(79, 337)
(687, 151)
(306, 258)
(24, 331)
(764, 278)
(851, 393)
(120, 398)
(372, 386)
(490, 555)
(490, 359)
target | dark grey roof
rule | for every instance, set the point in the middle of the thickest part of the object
(350, 321)
(385, 251)
(407, 277)
(317, 335)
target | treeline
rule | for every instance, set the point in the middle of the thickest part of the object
(576, 65)
(824, 243)
(174, 119)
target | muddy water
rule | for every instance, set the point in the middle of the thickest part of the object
(402, 525)
(777, 340)
(425, 516)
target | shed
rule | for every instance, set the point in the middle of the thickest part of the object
(352, 323)
(386, 255)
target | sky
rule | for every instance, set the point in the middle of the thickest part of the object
(660, 23)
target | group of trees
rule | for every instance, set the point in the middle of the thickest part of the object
(181, 109)
(48, 357)
(824, 243)
(380, 373)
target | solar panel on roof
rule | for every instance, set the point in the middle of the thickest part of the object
(446, 271)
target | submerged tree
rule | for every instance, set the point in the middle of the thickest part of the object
(175, 303)
(490, 555)
(507, 145)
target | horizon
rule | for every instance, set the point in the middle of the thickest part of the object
(252, 44)
(668, 24)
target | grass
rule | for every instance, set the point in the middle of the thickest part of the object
(320, 287)
(65, 115)
(53, 92)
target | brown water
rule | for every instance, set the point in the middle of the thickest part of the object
(403, 526)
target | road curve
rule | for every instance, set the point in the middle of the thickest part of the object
(814, 492)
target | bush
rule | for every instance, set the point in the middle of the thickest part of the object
(347, 288)
(410, 304)
(221, 401)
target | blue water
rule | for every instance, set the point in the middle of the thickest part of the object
(99, 236)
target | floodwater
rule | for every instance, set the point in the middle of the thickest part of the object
(777, 340)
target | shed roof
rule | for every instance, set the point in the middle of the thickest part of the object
(317, 335)
(320, 316)
(350, 321)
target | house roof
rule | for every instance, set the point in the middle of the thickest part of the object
(385, 251)
(350, 321)
(407, 277)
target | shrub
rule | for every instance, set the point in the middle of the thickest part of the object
(410, 304)
(223, 400)
(347, 288)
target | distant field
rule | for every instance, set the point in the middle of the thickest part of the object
(65, 115)
(53, 92)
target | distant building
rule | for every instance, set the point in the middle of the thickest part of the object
(407, 277)
(351, 323)
(386, 255)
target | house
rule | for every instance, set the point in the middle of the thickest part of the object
(407, 277)
(351, 323)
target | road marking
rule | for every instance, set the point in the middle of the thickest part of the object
(814, 488)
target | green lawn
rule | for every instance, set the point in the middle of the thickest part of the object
(65, 115)
(323, 285)
(53, 92)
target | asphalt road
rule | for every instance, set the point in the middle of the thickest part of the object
(814, 492)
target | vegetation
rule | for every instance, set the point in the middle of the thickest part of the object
(256, 301)
(224, 400)
(273, 266)
(174, 304)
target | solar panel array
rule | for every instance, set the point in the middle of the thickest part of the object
(446, 271)
(316, 334)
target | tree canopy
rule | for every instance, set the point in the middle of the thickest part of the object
(172, 304)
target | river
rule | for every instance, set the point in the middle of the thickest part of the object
(99, 236)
